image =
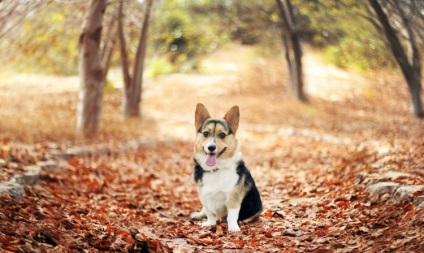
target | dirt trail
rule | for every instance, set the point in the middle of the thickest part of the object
(329, 82)
(178, 93)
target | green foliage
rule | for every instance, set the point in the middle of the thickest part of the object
(362, 54)
(109, 87)
(182, 35)
(158, 67)
(342, 29)
(47, 42)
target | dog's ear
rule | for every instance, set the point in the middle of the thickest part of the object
(233, 117)
(200, 116)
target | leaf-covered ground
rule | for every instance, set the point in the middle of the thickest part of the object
(142, 200)
(312, 164)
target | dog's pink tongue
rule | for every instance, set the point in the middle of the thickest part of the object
(211, 160)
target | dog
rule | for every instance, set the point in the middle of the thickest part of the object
(224, 184)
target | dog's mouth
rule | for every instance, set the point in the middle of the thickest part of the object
(211, 158)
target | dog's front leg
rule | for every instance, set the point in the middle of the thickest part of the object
(232, 219)
(234, 205)
(211, 218)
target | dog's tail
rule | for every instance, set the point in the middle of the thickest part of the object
(252, 218)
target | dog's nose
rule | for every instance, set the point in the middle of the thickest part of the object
(211, 148)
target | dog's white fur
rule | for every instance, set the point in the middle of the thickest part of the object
(215, 190)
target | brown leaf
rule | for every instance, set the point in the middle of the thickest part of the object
(238, 243)
(268, 234)
(219, 230)
(198, 241)
(408, 214)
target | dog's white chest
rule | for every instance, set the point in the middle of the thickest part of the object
(216, 188)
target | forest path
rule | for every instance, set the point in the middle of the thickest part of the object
(227, 78)
(311, 162)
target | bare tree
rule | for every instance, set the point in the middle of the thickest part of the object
(92, 79)
(292, 47)
(133, 83)
(408, 57)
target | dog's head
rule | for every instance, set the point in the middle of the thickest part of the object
(215, 138)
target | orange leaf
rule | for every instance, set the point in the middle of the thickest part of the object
(254, 243)
(109, 228)
(408, 215)
(268, 213)
(306, 222)
(278, 243)
(239, 243)
(199, 241)
(268, 234)
(342, 204)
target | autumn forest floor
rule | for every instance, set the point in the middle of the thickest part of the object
(330, 172)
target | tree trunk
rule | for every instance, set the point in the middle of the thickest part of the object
(90, 70)
(411, 69)
(414, 61)
(123, 49)
(293, 49)
(416, 101)
(132, 92)
(109, 41)
(107, 57)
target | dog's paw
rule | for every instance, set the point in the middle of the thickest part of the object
(208, 223)
(197, 215)
(233, 228)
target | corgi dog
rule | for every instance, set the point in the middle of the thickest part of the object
(224, 184)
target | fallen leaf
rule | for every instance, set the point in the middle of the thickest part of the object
(268, 213)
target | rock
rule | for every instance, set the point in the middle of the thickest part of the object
(360, 178)
(76, 151)
(48, 165)
(60, 155)
(12, 188)
(419, 201)
(291, 232)
(379, 189)
(396, 193)
(30, 177)
(394, 175)
(382, 187)
(405, 193)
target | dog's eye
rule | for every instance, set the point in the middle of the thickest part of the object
(222, 135)
(205, 134)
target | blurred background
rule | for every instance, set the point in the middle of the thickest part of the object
(345, 67)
